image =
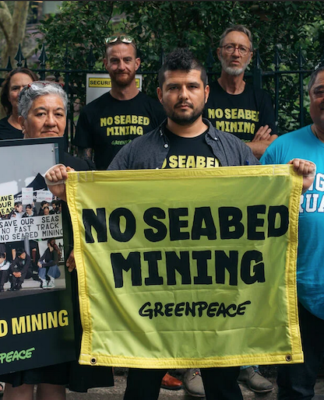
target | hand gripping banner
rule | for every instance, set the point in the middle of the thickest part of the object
(187, 268)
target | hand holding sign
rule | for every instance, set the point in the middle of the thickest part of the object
(55, 178)
(305, 168)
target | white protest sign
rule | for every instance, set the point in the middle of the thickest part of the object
(44, 195)
(40, 227)
(27, 195)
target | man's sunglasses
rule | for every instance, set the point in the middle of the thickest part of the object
(123, 38)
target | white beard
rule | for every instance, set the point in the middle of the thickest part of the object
(232, 70)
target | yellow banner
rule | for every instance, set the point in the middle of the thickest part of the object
(187, 268)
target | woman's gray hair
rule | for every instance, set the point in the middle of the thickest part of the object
(36, 89)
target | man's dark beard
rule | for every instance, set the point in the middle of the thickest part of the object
(185, 120)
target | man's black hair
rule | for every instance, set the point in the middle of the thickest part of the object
(29, 206)
(18, 203)
(181, 60)
(20, 252)
(2, 255)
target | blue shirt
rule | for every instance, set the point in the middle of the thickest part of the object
(310, 262)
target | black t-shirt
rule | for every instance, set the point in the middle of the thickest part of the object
(106, 124)
(241, 114)
(7, 131)
(77, 163)
(191, 152)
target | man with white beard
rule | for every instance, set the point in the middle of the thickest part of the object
(233, 105)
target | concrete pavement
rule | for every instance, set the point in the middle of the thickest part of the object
(116, 393)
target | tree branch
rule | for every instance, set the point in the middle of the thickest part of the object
(5, 21)
(19, 18)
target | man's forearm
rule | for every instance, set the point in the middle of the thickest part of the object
(260, 146)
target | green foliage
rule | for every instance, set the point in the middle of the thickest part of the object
(164, 25)
(69, 35)
(79, 25)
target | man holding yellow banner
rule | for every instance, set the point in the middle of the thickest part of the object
(142, 338)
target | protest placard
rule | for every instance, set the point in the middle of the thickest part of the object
(36, 325)
(7, 203)
(27, 195)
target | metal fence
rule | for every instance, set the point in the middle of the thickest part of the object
(272, 80)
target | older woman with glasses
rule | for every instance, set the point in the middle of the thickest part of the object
(42, 113)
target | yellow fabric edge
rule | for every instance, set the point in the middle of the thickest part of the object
(136, 362)
(161, 174)
(291, 286)
(71, 187)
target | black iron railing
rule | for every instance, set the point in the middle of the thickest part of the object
(272, 80)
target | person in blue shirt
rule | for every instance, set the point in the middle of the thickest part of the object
(297, 381)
